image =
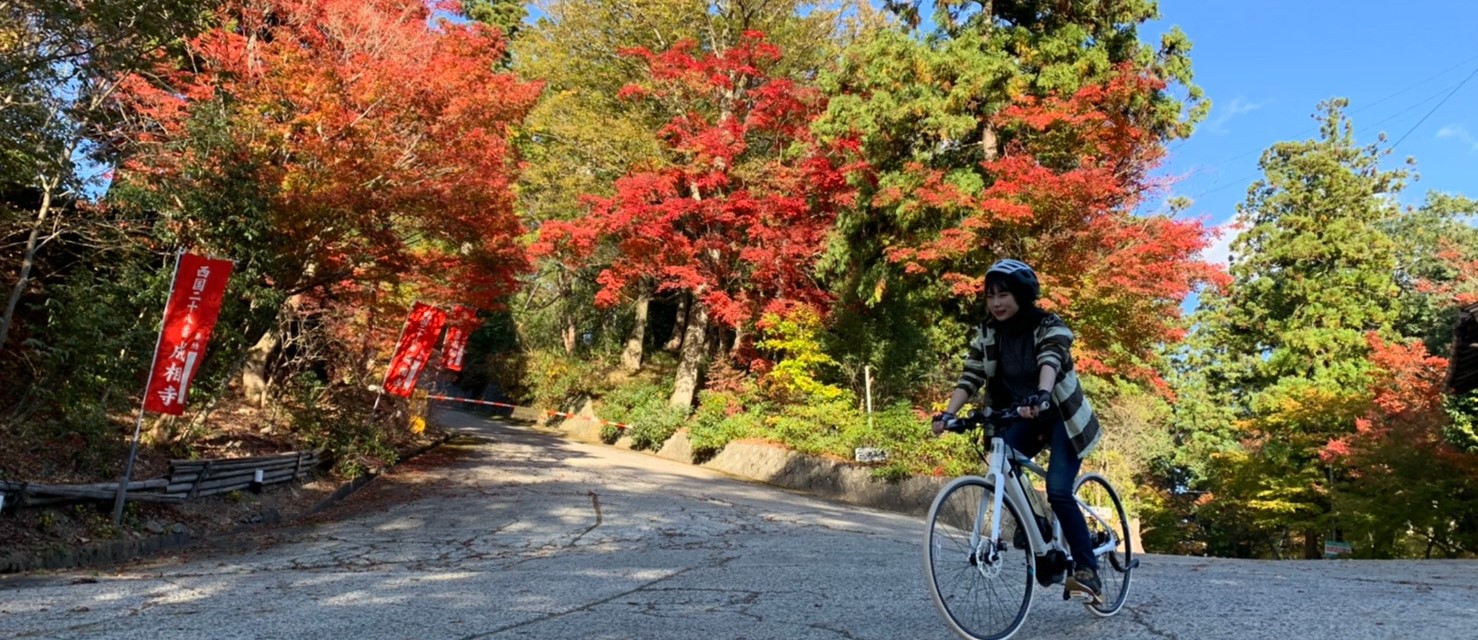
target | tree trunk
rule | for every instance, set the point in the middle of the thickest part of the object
(32, 244)
(256, 376)
(568, 333)
(366, 346)
(1311, 545)
(631, 358)
(679, 324)
(694, 351)
(254, 371)
(716, 343)
(990, 145)
(738, 341)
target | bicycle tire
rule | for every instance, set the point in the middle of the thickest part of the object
(947, 557)
(1094, 493)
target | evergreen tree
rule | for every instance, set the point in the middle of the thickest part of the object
(1286, 345)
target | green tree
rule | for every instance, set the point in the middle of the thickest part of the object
(60, 63)
(1436, 248)
(928, 103)
(506, 15)
(1313, 272)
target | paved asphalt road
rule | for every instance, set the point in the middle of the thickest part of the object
(518, 534)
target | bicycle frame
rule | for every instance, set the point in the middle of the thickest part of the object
(1008, 484)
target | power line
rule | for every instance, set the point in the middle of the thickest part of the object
(1435, 108)
(1233, 183)
(1364, 106)
(1445, 97)
(1415, 105)
(1430, 78)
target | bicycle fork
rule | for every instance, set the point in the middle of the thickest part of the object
(987, 546)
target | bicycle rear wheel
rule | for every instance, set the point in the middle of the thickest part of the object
(984, 590)
(1107, 522)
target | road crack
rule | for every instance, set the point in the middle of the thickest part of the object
(594, 503)
(1139, 618)
(585, 607)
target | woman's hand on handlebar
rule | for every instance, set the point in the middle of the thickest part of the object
(1034, 404)
(941, 422)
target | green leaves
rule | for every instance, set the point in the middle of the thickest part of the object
(1329, 272)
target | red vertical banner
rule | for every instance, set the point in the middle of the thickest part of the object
(189, 317)
(460, 325)
(417, 341)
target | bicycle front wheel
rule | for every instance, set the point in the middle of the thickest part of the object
(1108, 530)
(982, 587)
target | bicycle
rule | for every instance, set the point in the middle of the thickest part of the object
(978, 524)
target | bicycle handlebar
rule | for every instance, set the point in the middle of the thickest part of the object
(978, 418)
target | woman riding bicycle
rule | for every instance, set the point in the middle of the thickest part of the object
(1022, 355)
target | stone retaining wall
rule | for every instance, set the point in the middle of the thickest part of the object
(775, 465)
(772, 464)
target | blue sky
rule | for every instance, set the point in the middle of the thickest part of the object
(1266, 64)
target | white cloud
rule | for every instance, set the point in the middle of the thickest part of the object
(1220, 249)
(1238, 106)
(1460, 133)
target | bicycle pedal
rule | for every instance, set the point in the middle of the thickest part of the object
(1084, 596)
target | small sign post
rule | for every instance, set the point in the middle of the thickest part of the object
(1337, 548)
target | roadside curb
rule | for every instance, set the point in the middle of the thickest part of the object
(95, 554)
(113, 552)
(784, 468)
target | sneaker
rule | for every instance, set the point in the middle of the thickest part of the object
(1085, 581)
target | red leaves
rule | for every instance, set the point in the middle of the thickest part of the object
(743, 212)
(1062, 196)
(1406, 405)
(1410, 382)
(1462, 290)
(383, 140)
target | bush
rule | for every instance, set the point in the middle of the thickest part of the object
(331, 417)
(642, 405)
(655, 426)
(839, 428)
(610, 434)
(554, 378)
(796, 339)
(914, 449)
(722, 418)
(820, 427)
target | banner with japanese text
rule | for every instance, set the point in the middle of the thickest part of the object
(417, 341)
(460, 324)
(189, 316)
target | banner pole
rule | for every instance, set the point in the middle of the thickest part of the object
(138, 425)
(380, 392)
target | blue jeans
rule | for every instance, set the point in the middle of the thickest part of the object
(1028, 437)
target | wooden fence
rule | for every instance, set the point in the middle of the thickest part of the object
(187, 479)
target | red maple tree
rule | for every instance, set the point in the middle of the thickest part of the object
(1406, 409)
(1400, 480)
(740, 214)
(1063, 196)
(380, 133)
(1463, 261)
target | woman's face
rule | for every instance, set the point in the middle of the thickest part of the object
(1001, 303)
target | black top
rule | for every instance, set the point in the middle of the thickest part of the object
(1018, 372)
